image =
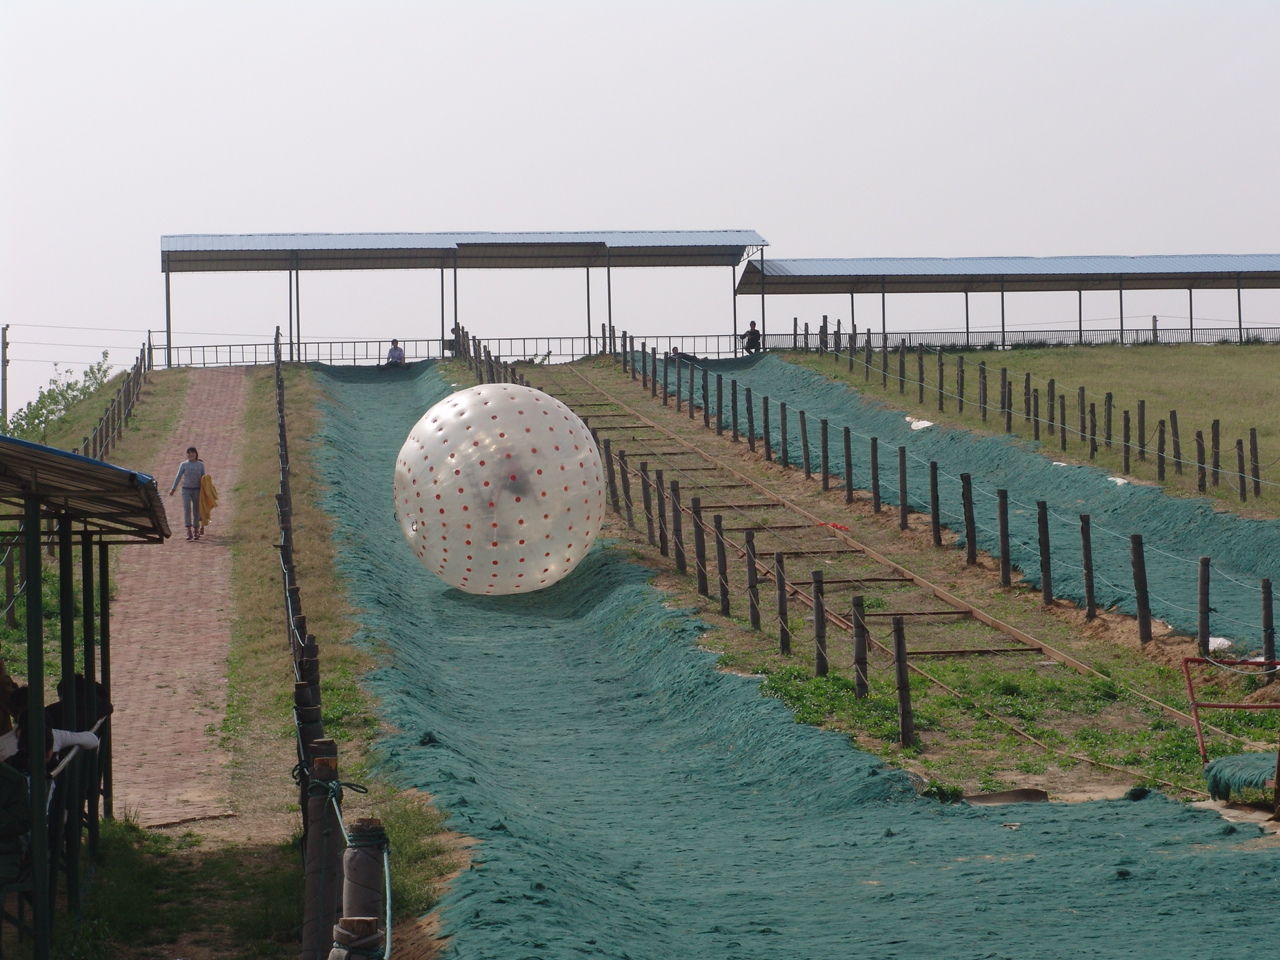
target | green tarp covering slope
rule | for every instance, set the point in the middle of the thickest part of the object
(1176, 531)
(632, 802)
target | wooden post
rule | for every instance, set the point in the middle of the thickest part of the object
(1046, 554)
(1093, 431)
(677, 527)
(356, 937)
(706, 399)
(875, 474)
(1086, 553)
(1108, 412)
(1160, 451)
(1062, 421)
(935, 510)
(1141, 597)
(666, 381)
(1268, 626)
(960, 384)
(970, 527)
(1008, 409)
(733, 408)
(784, 624)
(1215, 438)
(982, 390)
(1084, 431)
(820, 666)
(753, 579)
(1035, 414)
(1200, 472)
(1004, 393)
(719, 405)
(903, 506)
(625, 476)
(1049, 396)
(699, 545)
(1254, 470)
(783, 449)
(644, 365)
(627, 363)
(689, 402)
(1202, 619)
(364, 883)
(804, 445)
(906, 721)
(867, 360)
(1026, 398)
(722, 565)
(679, 382)
(860, 677)
(920, 373)
(1241, 477)
(884, 364)
(941, 378)
(646, 492)
(612, 478)
(1125, 442)
(768, 440)
(848, 466)
(1176, 441)
(806, 336)
(902, 366)
(1002, 514)
(751, 422)
(824, 459)
(660, 508)
(322, 869)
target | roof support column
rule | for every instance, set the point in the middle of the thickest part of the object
(291, 314)
(455, 290)
(966, 319)
(442, 339)
(1191, 315)
(764, 328)
(67, 694)
(1239, 313)
(884, 331)
(39, 785)
(1002, 344)
(733, 269)
(104, 647)
(168, 323)
(88, 627)
(1120, 287)
(588, 311)
(1079, 316)
(853, 321)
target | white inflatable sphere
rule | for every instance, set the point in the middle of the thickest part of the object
(499, 489)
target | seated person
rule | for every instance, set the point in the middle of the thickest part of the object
(395, 356)
(750, 338)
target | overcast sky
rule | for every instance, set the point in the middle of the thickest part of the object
(897, 128)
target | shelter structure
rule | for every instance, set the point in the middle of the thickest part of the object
(66, 503)
(886, 275)
(298, 252)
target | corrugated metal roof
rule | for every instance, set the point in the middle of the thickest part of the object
(938, 274)
(388, 251)
(113, 502)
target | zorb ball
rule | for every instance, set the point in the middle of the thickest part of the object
(499, 489)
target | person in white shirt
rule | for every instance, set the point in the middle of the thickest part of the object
(395, 356)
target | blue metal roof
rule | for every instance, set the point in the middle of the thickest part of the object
(930, 274)
(373, 251)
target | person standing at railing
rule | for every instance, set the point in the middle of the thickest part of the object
(190, 472)
(750, 339)
(395, 356)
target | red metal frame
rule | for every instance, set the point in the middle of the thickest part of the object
(1197, 704)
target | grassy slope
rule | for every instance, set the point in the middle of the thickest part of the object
(1233, 384)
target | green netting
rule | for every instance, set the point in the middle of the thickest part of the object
(1239, 772)
(632, 802)
(1176, 531)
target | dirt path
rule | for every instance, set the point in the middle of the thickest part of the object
(171, 628)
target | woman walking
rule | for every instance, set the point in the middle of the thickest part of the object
(190, 471)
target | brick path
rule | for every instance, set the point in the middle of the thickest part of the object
(170, 629)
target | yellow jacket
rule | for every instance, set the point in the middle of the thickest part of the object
(208, 499)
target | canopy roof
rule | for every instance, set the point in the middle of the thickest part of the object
(416, 251)
(115, 504)
(955, 274)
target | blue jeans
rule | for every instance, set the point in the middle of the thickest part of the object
(191, 506)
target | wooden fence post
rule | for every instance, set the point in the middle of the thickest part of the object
(322, 895)
(1240, 474)
(982, 389)
(1062, 422)
(768, 439)
(804, 445)
(1140, 587)
(1268, 626)
(679, 382)
(719, 405)
(733, 408)
(960, 384)
(783, 449)
(1086, 553)
(1125, 438)
(784, 624)
(751, 421)
(820, 665)
(1051, 402)
(1046, 553)
(1108, 412)
(903, 506)
(666, 370)
(646, 494)
(859, 618)
(1200, 472)
(906, 720)
(919, 373)
(609, 473)
(1215, 438)
(1035, 414)
(825, 459)
(970, 527)
(875, 474)
(699, 545)
(689, 402)
(1202, 609)
(941, 379)
(753, 579)
(722, 565)
(660, 508)
(625, 476)
(706, 398)
(1176, 441)
(935, 509)
(848, 466)
(1160, 451)
(1254, 469)
(677, 527)
(1142, 430)
(1093, 431)
(1002, 514)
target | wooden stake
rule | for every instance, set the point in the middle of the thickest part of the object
(1046, 554)
(935, 511)
(860, 676)
(1202, 620)
(875, 474)
(1002, 517)
(820, 665)
(784, 625)
(722, 565)
(699, 545)
(906, 720)
(1086, 553)
(970, 527)
(753, 580)
(1139, 561)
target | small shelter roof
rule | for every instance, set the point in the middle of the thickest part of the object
(958, 274)
(115, 504)
(415, 251)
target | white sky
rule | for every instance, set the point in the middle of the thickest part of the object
(896, 128)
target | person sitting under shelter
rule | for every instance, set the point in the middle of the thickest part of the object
(395, 356)
(750, 339)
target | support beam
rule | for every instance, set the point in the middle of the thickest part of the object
(168, 323)
(764, 327)
(104, 647)
(39, 785)
(733, 268)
